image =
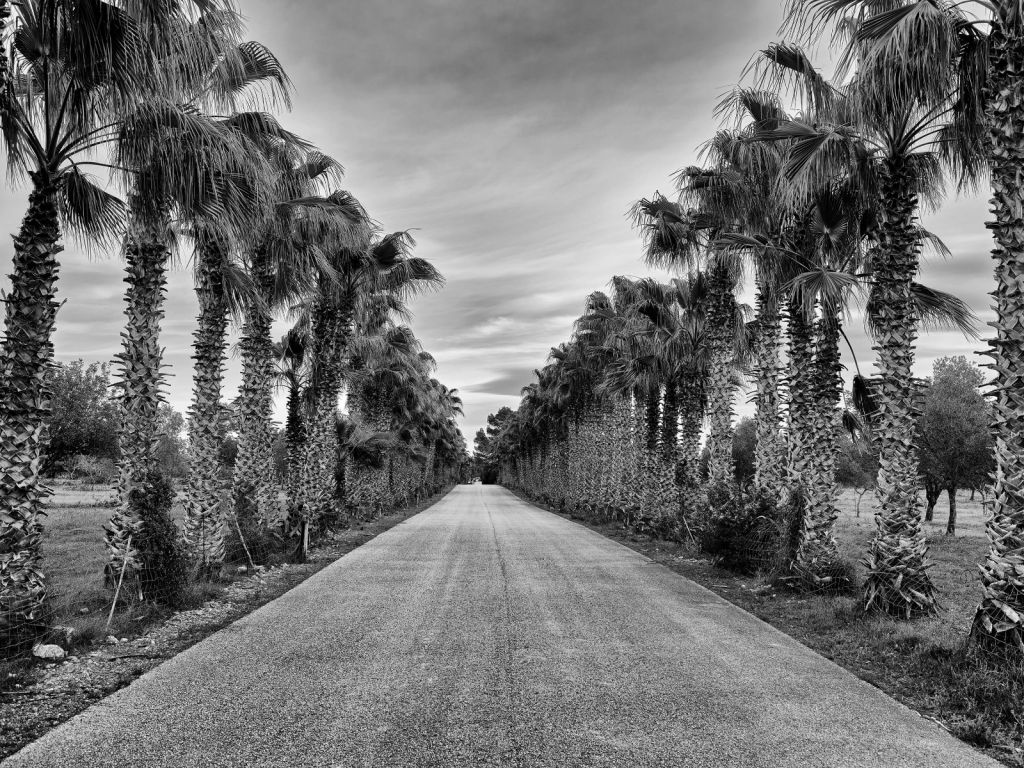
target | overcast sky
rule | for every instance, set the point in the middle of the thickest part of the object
(513, 137)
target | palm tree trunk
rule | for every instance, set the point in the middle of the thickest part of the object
(999, 620)
(691, 407)
(670, 422)
(721, 321)
(295, 437)
(769, 454)
(205, 497)
(801, 364)
(330, 334)
(140, 381)
(652, 414)
(817, 550)
(25, 357)
(254, 491)
(897, 581)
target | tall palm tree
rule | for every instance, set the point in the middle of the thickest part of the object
(979, 73)
(887, 139)
(182, 164)
(383, 264)
(71, 73)
(682, 238)
(283, 264)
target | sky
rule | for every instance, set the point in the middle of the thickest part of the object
(512, 138)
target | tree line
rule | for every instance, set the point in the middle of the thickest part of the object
(811, 193)
(174, 110)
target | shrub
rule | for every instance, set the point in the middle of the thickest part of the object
(834, 576)
(163, 570)
(248, 537)
(746, 535)
(94, 470)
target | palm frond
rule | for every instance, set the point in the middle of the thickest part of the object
(89, 212)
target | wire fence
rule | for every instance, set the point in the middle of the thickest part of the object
(92, 596)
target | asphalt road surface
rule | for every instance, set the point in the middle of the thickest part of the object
(487, 632)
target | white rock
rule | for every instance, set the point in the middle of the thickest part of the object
(112, 640)
(49, 652)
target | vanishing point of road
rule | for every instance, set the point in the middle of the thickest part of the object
(487, 632)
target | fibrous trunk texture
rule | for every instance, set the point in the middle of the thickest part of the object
(255, 491)
(897, 581)
(999, 620)
(801, 401)
(721, 322)
(25, 357)
(331, 328)
(140, 381)
(691, 407)
(207, 490)
(769, 454)
(295, 437)
(817, 550)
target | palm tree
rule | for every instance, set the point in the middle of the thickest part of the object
(978, 75)
(678, 238)
(178, 162)
(70, 75)
(287, 256)
(290, 373)
(886, 139)
(384, 265)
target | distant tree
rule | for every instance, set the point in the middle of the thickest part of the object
(857, 466)
(170, 449)
(744, 443)
(279, 454)
(485, 463)
(955, 446)
(84, 414)
(228, 452)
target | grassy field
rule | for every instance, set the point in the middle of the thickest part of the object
(74, 556)
(956, 558)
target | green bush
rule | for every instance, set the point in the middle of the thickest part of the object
(94, 470)
(745, 534)
(163, 571)
(248, 537)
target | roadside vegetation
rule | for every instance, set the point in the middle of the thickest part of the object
(809, 199)
(175, 111)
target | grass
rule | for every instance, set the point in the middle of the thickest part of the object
(74, 557)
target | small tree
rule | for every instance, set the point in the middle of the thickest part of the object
(954, 443)
(84, 415)
(857, 466)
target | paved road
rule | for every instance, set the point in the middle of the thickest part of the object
(487, 632)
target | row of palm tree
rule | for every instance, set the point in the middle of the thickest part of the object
(815, 189)
(170, 106)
